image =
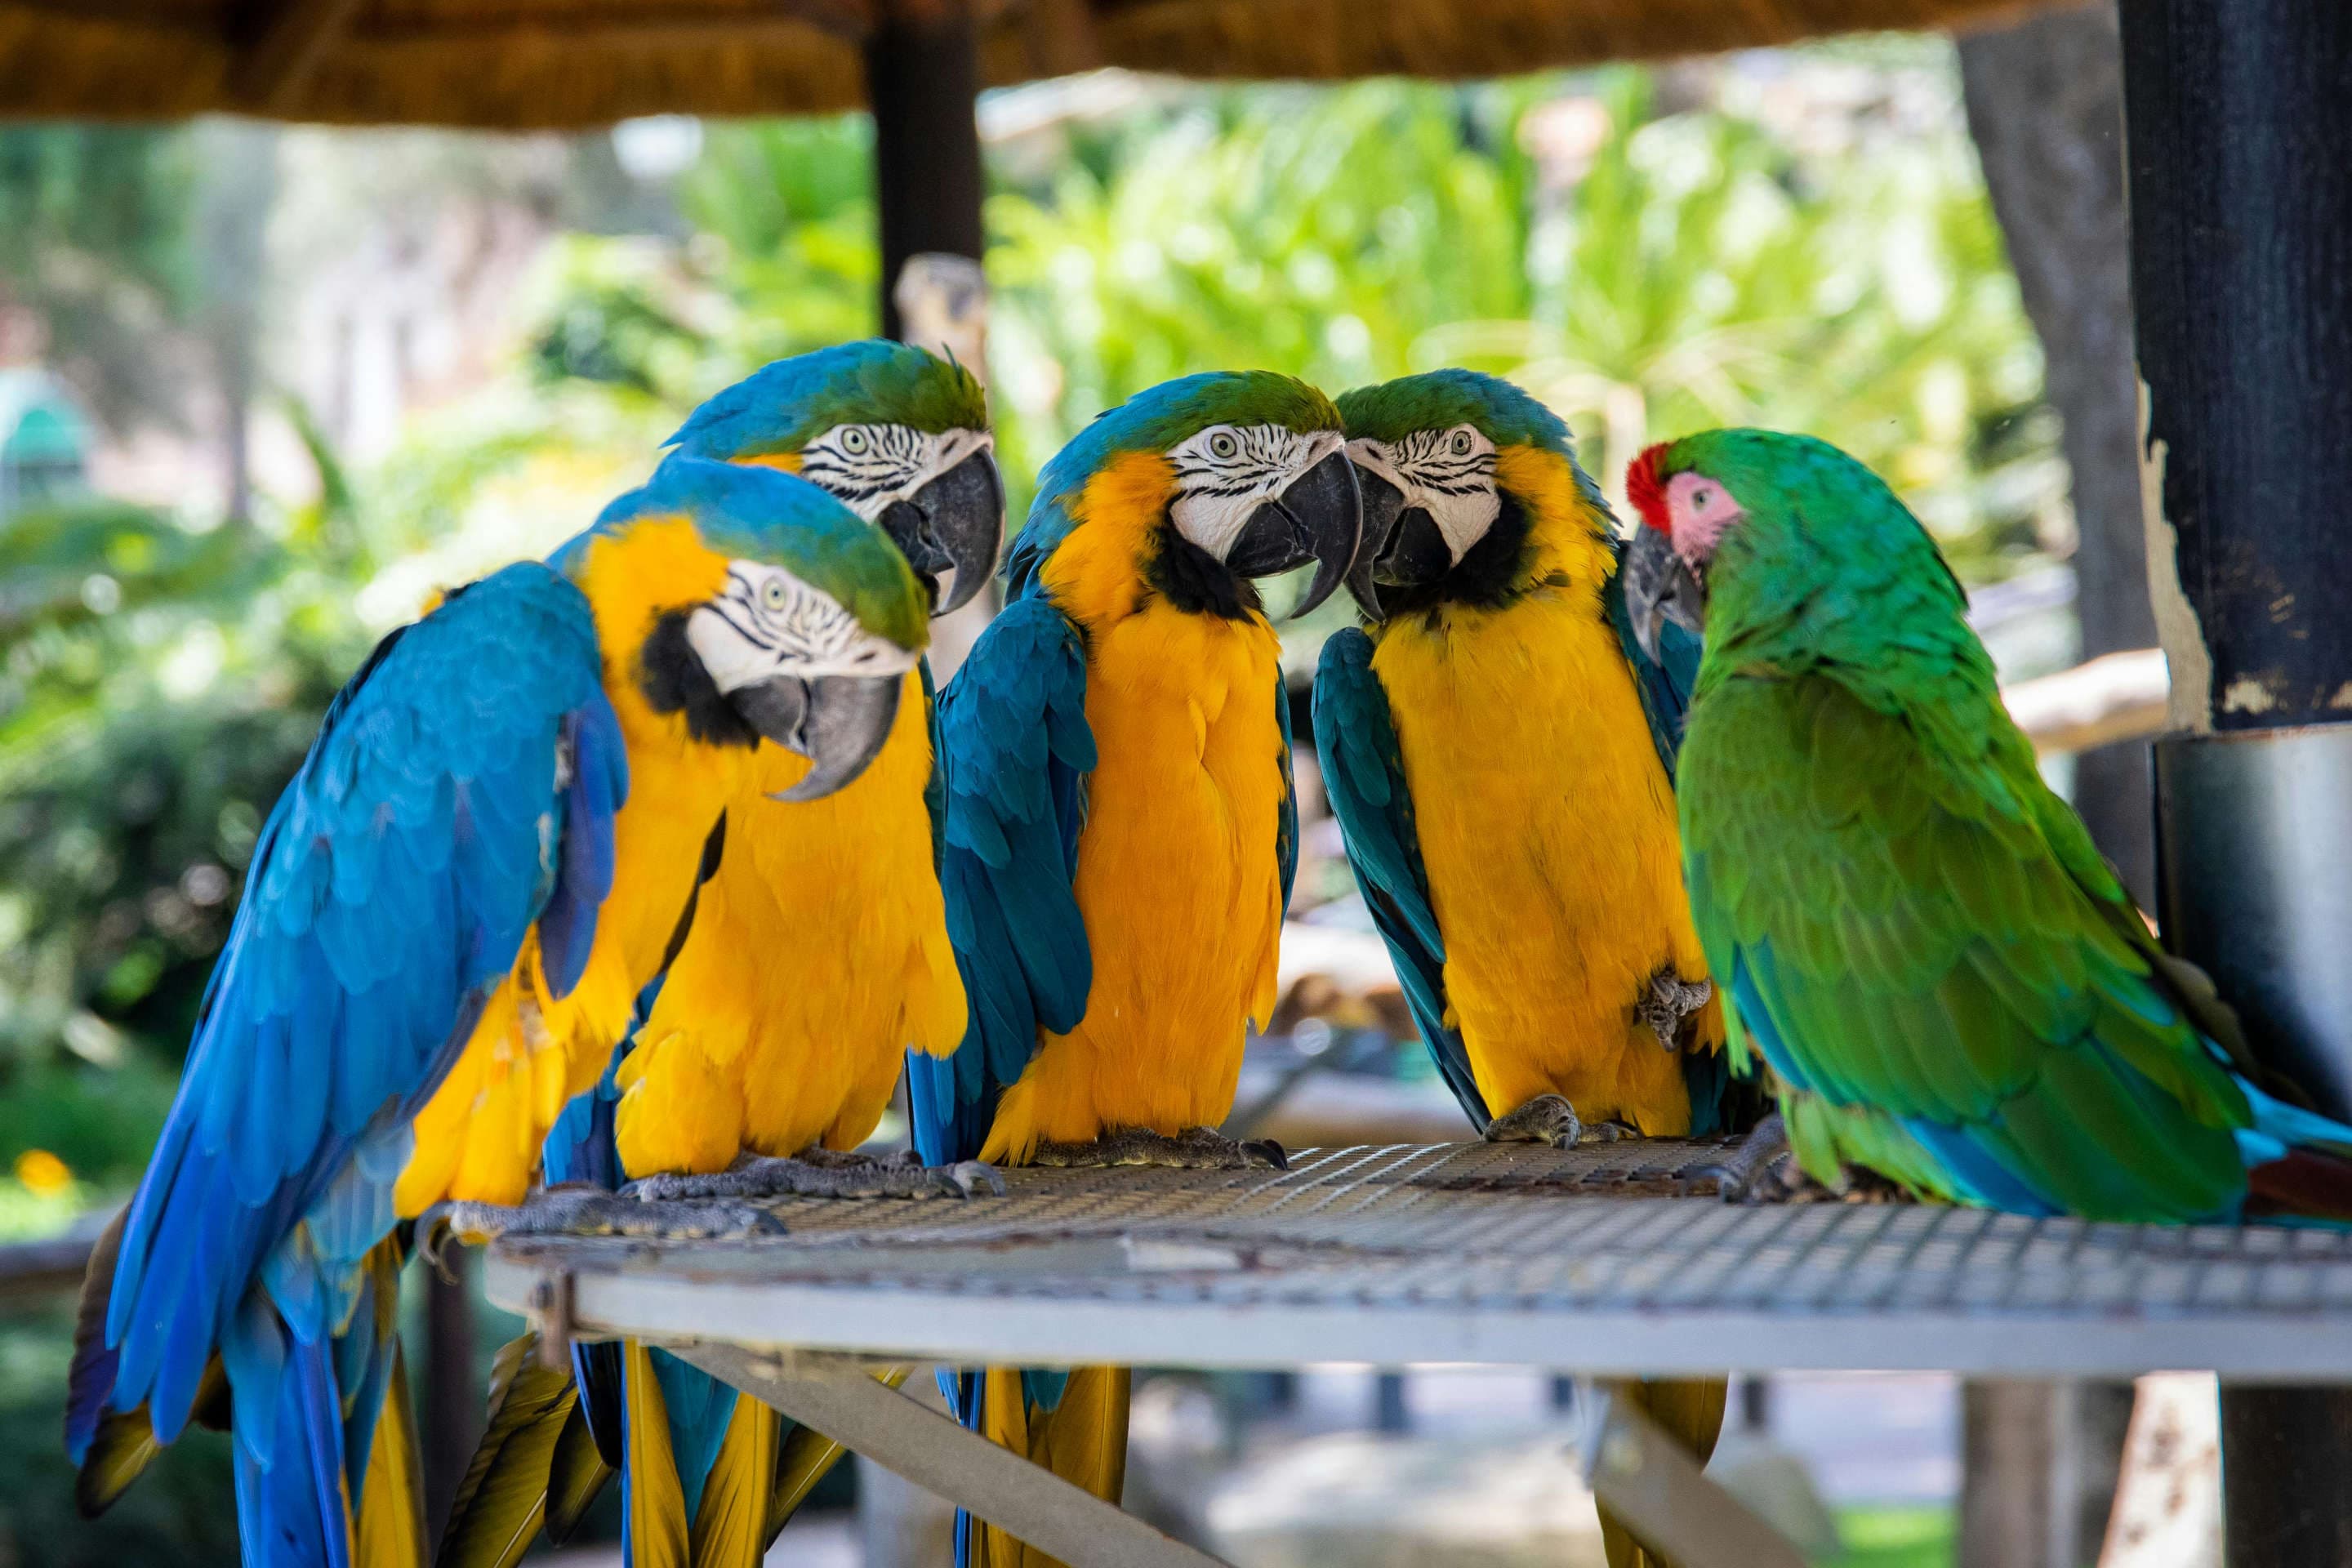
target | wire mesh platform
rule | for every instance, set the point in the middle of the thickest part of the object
(1586, 1260)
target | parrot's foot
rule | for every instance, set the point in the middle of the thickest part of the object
(1756, 1172)
(830, 1175)
(1550, 1119)
(578, 1209)
(1671, 1000)
(1195, 1149)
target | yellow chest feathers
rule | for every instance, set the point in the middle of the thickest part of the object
(479, 1136)
(1547, 824)
(1177, 876)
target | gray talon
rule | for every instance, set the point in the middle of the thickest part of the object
(831, 1175)
(578, 1209)
(1669, 1001)
(1546, 1119)
(1195, 1149)
(1753, 1171)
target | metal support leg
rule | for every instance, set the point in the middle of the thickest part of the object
(838, 1398)
(1647, 1480)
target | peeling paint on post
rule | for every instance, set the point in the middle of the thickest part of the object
(2240, 185)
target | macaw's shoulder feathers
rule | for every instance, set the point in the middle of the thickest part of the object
(760, 514)
(782, 407)
(1154, 420)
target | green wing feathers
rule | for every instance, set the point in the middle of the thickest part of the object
(1914, 924)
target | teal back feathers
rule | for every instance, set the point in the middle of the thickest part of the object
(782, 407)
(1154, 420)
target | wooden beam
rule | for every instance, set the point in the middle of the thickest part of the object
(922, 77)
(841, 1399)
(267, 73)
(1648, 1480)
(782, 22)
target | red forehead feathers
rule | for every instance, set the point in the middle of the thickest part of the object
(1646, 491)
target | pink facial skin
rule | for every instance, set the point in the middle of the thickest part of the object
(1698, 510)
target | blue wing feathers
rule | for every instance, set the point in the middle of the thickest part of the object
(1014, 748)
(1363, 774)
(1665, 683)
(395, 882)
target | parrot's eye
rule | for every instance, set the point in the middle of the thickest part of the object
(854, 441)
(772, 595)
(1699, 498)
(1462, 443)
(1224, 445)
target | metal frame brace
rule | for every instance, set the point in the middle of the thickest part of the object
(1634, 1466)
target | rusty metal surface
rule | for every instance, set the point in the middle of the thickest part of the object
(1581, 1259)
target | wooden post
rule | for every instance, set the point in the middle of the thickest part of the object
(2241, 283)
(922, 77)
(2238, 129)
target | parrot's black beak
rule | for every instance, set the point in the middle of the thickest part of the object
(840, 723)
(1383, 503)
(949, 530)
(1319, 519)
(1660, 586)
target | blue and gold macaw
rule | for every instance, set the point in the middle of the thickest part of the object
(753, 1064)
(490, 821)
(1500, 750)
(1120, 826)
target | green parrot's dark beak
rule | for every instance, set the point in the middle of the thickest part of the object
(840, 723)
(1660, 586)
(949, 530)
(1319, 518)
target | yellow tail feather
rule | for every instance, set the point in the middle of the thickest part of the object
(498, 1506)
(576, 1475)
(730, 1527)
(1083, 1439)
(390, 1530)
(657, 1526)
(1690, 1411)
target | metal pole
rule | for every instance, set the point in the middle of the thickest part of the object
(922, 77)
(2240, 147)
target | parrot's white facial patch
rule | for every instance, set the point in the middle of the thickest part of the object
(769, 623)
(868, 467)
(1698, 510)
(1449, 474)
(1226, 472)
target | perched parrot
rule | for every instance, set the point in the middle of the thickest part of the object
(1949, 984)
(752, 1039)
(1500, 754)
(1120, 826)
(483, 818)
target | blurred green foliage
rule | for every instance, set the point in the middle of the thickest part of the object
(1801, 240)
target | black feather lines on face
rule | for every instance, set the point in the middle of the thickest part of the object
(1491, 575)
(672, 677)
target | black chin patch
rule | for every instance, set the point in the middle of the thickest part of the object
(674, 681)
(1490, 575)
(1195, 581)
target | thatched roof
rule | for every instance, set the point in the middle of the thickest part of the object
(540, 63)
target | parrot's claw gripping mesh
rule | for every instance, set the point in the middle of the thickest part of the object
(1546, 1119)
(583, 1210)
(1195, 1149)
(1670, 1000)
(829, 1175)
(1756, 1170)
